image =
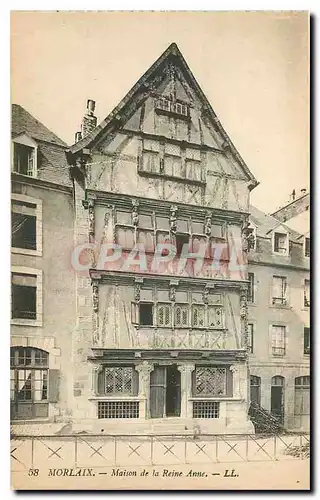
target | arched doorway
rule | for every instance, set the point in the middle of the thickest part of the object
(277, 397)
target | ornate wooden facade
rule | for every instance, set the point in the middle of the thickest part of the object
(161, 169)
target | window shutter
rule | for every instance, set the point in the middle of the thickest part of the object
(229, 383)
(54, 382)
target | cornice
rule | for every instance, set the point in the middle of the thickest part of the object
(127, 278)
(163, 206)
(32, 181)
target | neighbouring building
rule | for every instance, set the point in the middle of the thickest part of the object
(43, 284)
(279, 303)
(156, 343)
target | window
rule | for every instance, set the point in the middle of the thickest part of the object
(255, 389)
(168, 106)
(281, 243)
(23, 225)
(181, 315)
(279, 290)
(164, 314)
(278, 340)
(302, 396)
(146, 314)
(118, 380)
(26, 225)
(206, 409)
(214, 316)
(306, 295)
(306, 340)
(198, 314)
(24, 159)
(250, 337)
(28, 382)
(125, 237)
(210, 381)
(26, 296)
(307, 247)
(182, 241)
(251, 288)
(118, 409)
(187, 310)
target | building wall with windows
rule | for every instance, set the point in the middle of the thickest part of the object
(279, 321)
(42, 282)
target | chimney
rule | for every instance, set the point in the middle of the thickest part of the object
(293, 195)
(89, 121)
(77, 137)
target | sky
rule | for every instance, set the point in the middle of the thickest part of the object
(252, 66)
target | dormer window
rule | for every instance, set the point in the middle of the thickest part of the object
(167, 106)
(281, 243)
(24, 156)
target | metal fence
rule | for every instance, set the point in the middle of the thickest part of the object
(89, 450)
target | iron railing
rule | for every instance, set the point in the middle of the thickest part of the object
(88, 450)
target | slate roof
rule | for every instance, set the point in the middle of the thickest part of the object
(53, 165)
(22, 121)
(266, 223)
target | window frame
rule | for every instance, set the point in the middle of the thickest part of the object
(228, 383)
(100, 380)
(277, 351)
(285, 296)
(155, 301)
(38, 214)
(32, 369)
(39, 297)
(300, 386)
(274, 250)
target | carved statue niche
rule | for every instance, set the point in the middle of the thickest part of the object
(172, 293)
(135, 214)
(173, 219)
(205, 295)
(137, 288)
(95, 295)
(208, 223)
(91, 216)
(248, 239)
(244, 314)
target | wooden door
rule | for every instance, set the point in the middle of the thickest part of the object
(158, 392)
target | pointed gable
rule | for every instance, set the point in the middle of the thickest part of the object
(171, 78)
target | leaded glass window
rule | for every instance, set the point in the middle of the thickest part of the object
(164, 314)
(118, 380)
(181, 315)
(210, 381)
